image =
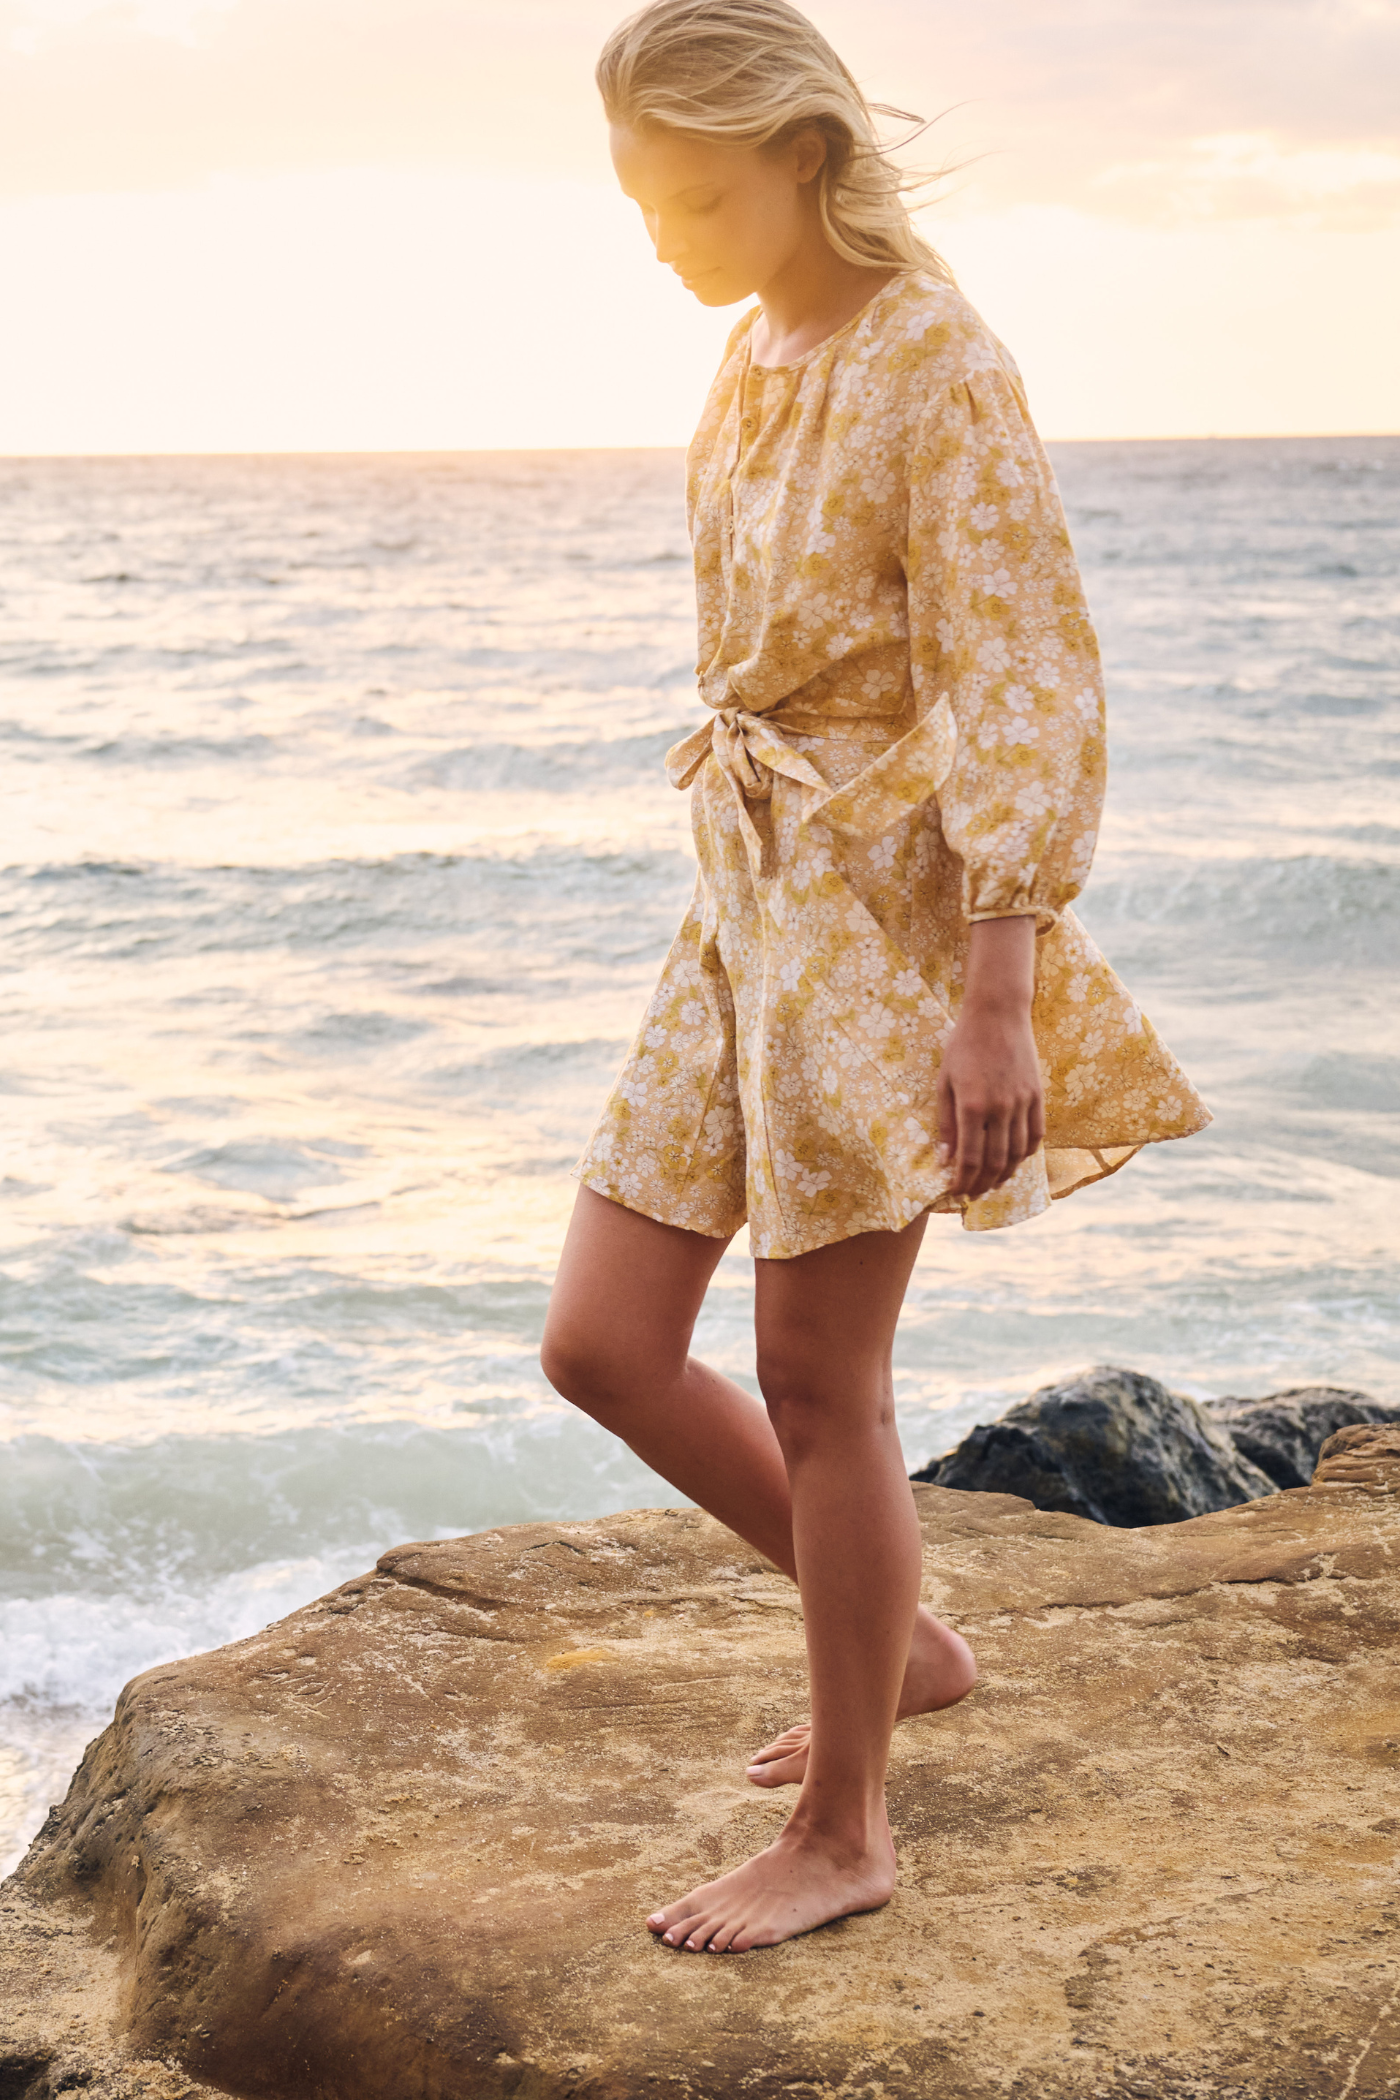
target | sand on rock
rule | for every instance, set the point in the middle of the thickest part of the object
(400, 1846)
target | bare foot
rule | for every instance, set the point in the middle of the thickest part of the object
(940, 1671)
(799, 1882)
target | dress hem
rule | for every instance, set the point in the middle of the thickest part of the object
(1104, 1166)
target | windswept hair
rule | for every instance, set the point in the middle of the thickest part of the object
(756, 73)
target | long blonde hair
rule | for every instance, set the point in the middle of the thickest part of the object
(755, 73)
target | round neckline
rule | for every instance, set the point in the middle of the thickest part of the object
(795, 364)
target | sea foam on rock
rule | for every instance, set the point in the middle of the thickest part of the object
(1121, 1448)
(403, 1843)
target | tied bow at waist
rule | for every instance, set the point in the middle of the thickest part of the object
(750, 749)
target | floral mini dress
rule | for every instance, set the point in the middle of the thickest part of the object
(905, 736)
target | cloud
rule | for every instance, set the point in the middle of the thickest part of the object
(1131, 108)
(1248, 175)
(1155, 111)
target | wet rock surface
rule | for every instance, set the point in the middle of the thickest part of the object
(403, 1842)
(1111, 1445)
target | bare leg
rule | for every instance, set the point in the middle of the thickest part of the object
(826, 1324)
(624, 1306)
(616, 1342)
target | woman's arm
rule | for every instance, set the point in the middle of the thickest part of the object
(998, 626)
(991, 1108)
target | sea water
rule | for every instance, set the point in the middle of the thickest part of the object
(337, 863)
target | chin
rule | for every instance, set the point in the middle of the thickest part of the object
(716, 292)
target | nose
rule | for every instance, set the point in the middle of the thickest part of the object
(664, 239)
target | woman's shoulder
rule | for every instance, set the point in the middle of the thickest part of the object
(928, 336)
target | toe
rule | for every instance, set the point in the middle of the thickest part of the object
(673, 1922)
(779, 1771)
(783, 1745)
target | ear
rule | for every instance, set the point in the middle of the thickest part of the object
(808, 153)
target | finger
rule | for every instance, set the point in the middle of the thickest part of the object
(994, 1154)
(971, 1138)
(947, 1118)
(1017, 1141)
(1035, 1122)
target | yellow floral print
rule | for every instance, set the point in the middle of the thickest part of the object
(906, 735)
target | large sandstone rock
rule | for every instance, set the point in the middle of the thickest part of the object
(1111, 1445)
(1284, 1432)
(400, 1846)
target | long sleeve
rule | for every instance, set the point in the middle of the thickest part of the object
(998, 625)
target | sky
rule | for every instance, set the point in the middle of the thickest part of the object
(231, 225)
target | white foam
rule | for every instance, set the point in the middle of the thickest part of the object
(64, 1659)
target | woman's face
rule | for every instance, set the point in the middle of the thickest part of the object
(726, 218)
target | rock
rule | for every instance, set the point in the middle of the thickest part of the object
(1359, 1457)
(1111, 1445)
(1283, 1433)
(402, 1843)
(60, 2013)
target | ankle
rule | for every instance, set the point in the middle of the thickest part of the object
(849, 1838)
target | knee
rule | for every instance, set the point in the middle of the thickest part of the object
(812, 1402)
(792, 1393)
(588, 1368)
(573, 1363)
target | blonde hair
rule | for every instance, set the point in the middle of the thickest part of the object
(756, 73)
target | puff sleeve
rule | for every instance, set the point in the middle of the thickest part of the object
(998, 626)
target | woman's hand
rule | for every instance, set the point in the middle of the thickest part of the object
(991, 1100)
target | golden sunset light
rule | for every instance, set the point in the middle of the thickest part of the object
(699, 936)
(340, 224)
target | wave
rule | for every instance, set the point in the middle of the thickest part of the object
(545, 902)
(556, 766)
(179, 1528)
(1191, 919)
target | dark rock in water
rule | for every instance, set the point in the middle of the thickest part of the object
(1111, 1445)
(1284, 1432)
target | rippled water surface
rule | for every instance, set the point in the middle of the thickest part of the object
(337, 862)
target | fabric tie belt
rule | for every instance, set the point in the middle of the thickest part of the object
(750, 749)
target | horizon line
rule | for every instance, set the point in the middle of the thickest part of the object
(1212, 437)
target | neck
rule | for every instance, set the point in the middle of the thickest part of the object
(814, 293)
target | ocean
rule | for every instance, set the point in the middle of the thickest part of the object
(337, 863)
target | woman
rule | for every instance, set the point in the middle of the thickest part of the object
(878, 1004)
